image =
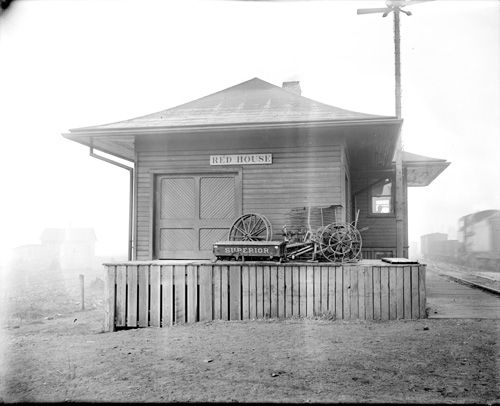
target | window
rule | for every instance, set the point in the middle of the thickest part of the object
(381, 197)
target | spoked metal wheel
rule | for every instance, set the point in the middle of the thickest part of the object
(340, 242)
(251, 227)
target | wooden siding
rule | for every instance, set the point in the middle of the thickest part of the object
(380, 236)
(306, 171)
(185, 293)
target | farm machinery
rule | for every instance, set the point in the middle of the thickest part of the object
(250, 238)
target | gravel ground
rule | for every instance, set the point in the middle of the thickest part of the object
(68, 358)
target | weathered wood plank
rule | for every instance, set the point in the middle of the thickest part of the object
(154, 286)
(109, 298)
(132, 296)
(339, 292)
(191, 284)
(376, 293)
(245, 293)
(400, 311)
(206, 299)
(295, 291)
(317, 290)
(288, 291)
(121, 296)
(353, 271)
(422, 292)
(384, 293)
(143, 286)
(407, 292)
(368, 292)
(267, 292)
(415, 306)
(273, 291)
(303, 291)
(310, 290)
(331, 289)
(324, 289)
(167, 283)
(224, 302)
(235, 292)
(180, 295)
(361, 292)
(281, 292)
(347, 292)
(392, 293)
(217, 312)
(252, 276)
(260, 291)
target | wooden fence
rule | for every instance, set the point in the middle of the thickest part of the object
(158, 295)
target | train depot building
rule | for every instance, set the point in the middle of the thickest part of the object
(259, 148)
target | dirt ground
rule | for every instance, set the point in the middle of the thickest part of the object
(68, 358)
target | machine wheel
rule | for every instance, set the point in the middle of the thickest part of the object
(251, 227)
(340, 242)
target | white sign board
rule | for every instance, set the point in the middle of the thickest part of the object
(242, 159)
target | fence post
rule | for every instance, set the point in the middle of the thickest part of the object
(82, 290)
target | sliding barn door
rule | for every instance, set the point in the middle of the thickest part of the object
(193, 212)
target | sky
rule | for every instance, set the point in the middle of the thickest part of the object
(73, 63)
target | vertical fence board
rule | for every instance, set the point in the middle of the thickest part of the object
(392, 293)
(422, 293)
(180, 293)
(324, 289)
(224, 293)
(331, 289)
(347, 292)
(154, 313)
(368, 271)
(339, 292)
(407, 292)
(317, 290)
(281, 291)
(109, 298)
(273, 291)
(259, 279)
(353, 271)
(245, 293)
(415, 307)
(384, 293)
(361, 292)
(295, 291)
(288, 292)
(303, 291)
(252, 292)
(192, 283)
(121, 298)
(143, 279)
(132, 296)
(167, 284)
(217, 313)
(376, 293)
(267, 291)
(235, 292)
(310, 291)
(400, 312)
(206, 299)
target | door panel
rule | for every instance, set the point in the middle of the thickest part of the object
(193, 212)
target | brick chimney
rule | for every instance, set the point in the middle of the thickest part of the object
(293, 87)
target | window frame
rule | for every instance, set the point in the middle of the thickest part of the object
(392, 213)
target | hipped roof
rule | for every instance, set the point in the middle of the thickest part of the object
(422, 170)
(252, 102)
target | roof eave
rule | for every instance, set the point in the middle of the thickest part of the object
(91, 131)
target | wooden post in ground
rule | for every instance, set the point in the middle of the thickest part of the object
(82, 291)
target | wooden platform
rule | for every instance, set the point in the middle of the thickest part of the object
(161, 293)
